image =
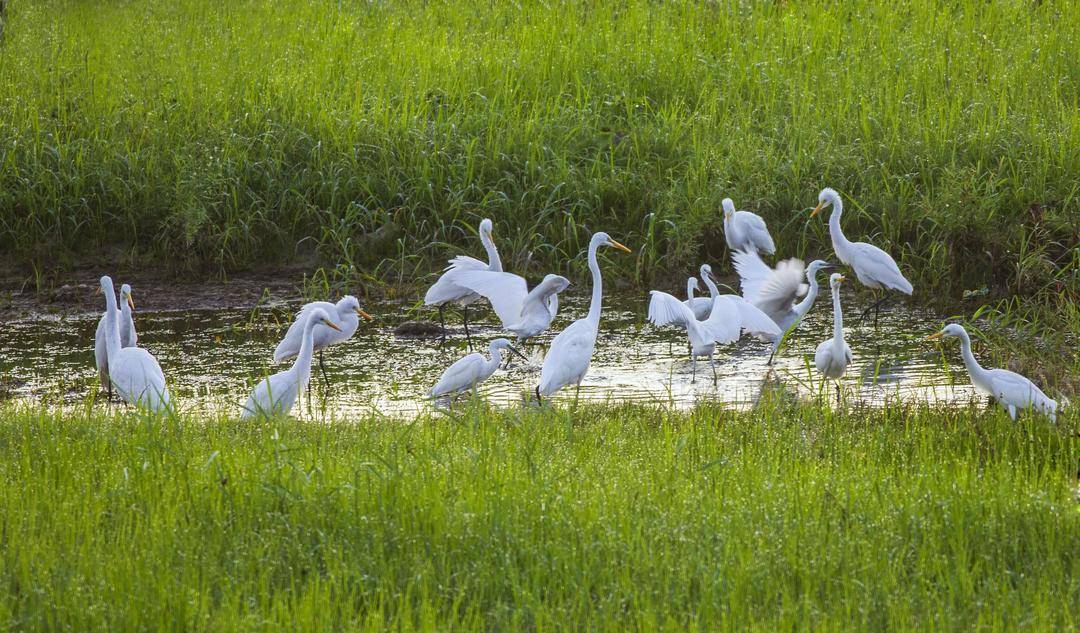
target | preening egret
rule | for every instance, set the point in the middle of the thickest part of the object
(834, 355)
(525, 313)
(873, 267)
(746, 231)
(345, 315)
(700, 306)
(1013, 391)
(470, 371)
(568, 358)
(276, 395)
(128, 337)
(775, 291)
(447, 289)
(134, 371)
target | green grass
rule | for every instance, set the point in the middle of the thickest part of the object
(373, 136)
(789, 517)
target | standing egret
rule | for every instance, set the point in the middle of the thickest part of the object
(873, 267)
(834, 355)
(734, 309)
(276, 395)
(128, 337)
(700, 306)
(134, 371)
(775, 291)
(447, 289)
(471, 370)
(570, 352)
(525, 313)
(345, 314)
(746, 231)
(1013, 391)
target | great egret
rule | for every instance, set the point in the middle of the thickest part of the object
(345, 314)
(276, 395)
(471, 370)
(525, 313)
(834, 355)
(128, 337)
(737, 310)
(873, 267)
(1010, 389)
(568, 358)
(700, 306)
(447, 289)
(775, 291)
(134, 371)
(746, 231)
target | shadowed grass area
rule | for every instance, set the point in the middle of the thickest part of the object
(375, 135)
(786, 517)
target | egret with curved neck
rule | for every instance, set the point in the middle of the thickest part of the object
(447, 289)
(133, 371)
(833, 355)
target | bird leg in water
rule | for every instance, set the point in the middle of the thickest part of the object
(322, 368)
(465, 318)
(876, 307)
(442, 322)
(837, 393)
(712, 361)
(539, 400)
(693, 369)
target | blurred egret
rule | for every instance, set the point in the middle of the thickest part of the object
(345, 315)
(128, 337)
(834, 355)
(447, 289)
(700, 306)
(525, 313)
(746, 231)
(134, 371)
(471, 370)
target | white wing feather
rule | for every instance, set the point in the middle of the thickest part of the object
(753, 273)
(665, 309)
(874, 267)
(505, 291)
(756, 232)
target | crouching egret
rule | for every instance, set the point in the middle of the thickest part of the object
(746, 231)
(276, 395)
(128, 337)
(834, 355)
(568, 358)
(345, 315)
(1013, 391)
(447, 289)
(471, 370)
(525, 313)
(134, 371)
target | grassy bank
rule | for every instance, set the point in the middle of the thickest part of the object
(373, 136)
(786, 517)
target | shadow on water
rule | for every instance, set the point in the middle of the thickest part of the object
(211, 358)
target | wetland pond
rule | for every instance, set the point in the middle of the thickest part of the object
(211, 359)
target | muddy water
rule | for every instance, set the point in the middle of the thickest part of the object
(212, 358)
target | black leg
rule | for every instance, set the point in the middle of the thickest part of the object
(442, 322)
(693, 369)
(838, 393)
(322, 368)
(538, 398)
(465, 318)
(712, 361)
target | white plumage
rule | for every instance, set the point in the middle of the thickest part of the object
(128, 336)
(525, 313)
(833, 355)
(133, 371)
(345, 314)
(746, 231)
(700, 306)
(470, 371)
(873, 267)
(447, 288)
(776, 290)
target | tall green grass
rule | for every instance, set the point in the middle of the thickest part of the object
(374, 135)
(790, 517)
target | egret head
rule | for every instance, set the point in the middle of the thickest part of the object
(501, 343)
(729, 208)
(350, 304)
(321, 317)
(557, 282)
(603, 239)
(693, 283)
(125, 292)
(706, 272)
(816, 265)
(951, 329)
(825, 198)
(106, 285)
(835, 280)
(486, 228)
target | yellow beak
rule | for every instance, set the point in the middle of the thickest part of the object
(935, 336)
(620, 246)
(365, 314)
(840, 279)
(817, 209)
(131, 303)
(331, 325)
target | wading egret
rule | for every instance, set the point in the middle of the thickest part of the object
(834, 355)
(471, 370)
(345, 314)
(1013, 391)
(276, 395)
(128, 337)
(447, 289)
(700, 306)
(525, 313)
(568, 358)
(776, 290)
(746, 231)
(738, 311)
(134, 371)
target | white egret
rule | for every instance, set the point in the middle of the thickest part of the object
(128, 337)
(525, 313)
(735, 309)
(873, 267)
(134, 371)
(834, 355)
(775, 291)
(719, 327)
(471, 370)
(1013, 391)
(746, 231)
(568, 358)
(700, 306)
(447, 289)
(276, 395)
(345, 314)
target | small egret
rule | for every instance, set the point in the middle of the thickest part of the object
(471, 370)
(873, 267)
(276, 395)
(775, 291)
(746, 231)
(525, 313)
(128, 337)
(834, 355)
(345, 314)
(447, 289)
(1010, 389)
(700, 306)
(568, 358)
(134, 371)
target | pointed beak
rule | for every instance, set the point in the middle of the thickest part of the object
(817, 209)
(935, 336)
(131, 302)
(365, 314)
(840, 279)
(619, 246)
(519, 354)
(331, 325)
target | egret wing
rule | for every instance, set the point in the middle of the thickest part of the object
(724, 321)
(459, 376)
(753, 320)
(753, 226)
(505, 291)
(465, 262)
(783, 287)
(754, 274)
(665, 309)
(870, 261)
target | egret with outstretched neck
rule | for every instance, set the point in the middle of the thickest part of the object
(833, 355)
(133, 371)
(128, 337)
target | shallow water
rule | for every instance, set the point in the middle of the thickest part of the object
(212, 358)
